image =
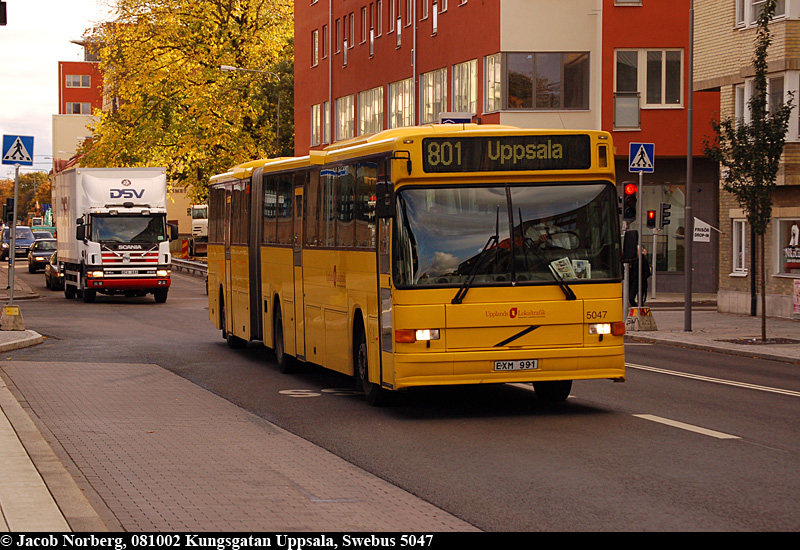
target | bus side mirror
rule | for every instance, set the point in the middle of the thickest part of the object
(384, 200)
(629, 246)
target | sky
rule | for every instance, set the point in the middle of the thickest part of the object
(36, 38)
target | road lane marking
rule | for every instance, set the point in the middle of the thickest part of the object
(688, 427)
(715, 380)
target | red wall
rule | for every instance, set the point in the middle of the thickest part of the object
(93, 95)
(654, 25)
(453, 43)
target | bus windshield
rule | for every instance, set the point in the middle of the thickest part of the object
(129, 229)
(504, 234)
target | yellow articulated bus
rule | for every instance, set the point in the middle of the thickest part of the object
(432, 255)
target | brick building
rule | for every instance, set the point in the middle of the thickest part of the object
(725, 34)
(362, 66)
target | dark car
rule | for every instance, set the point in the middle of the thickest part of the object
(39, 234)
(24, 241)
(39, 254)
(53, 278)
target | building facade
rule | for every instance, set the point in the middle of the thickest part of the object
(362, 66)
(725, 34)
(645, 98)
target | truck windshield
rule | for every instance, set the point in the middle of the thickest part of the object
(129, 229)
(507, 234)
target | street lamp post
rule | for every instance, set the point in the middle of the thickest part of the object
(229, 68)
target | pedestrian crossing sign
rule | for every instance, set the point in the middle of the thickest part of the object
(18, 150)
(641, 157)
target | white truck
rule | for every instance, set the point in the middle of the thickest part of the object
(198, 243)
(112, 232)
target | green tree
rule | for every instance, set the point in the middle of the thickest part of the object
(751, 152)
(34, 189)
(172, 106)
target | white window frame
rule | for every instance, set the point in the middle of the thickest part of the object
(433, 95)
(493, 83)
(739, 249)
(747, 12)
(78, 81)
(326, 122)
(401, 103)
(316, 125)
(641, 76)
(744, 91)
(370, 111)
(465, 87)
(83, 107)
(315, 47)
(345, 118)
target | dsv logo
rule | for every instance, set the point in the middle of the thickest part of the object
(126, 193)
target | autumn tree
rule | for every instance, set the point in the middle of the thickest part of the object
(168, 102)
(33, 193)
(751, 151)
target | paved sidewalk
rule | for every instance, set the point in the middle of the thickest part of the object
(110, 447)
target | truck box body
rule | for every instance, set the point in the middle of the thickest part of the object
(112, 232)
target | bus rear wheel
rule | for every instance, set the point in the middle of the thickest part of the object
(553, 392)
(375, 395)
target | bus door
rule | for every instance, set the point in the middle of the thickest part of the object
(256, 199)
(299, 298)
(227, 299)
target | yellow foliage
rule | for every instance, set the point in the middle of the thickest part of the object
(168, 102)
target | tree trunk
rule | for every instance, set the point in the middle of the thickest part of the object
(754, 269)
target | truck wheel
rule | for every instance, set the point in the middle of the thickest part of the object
(69, 291)
(161, 295)
(89, 296)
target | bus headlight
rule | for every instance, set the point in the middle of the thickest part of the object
(409, 336)
(615, 329)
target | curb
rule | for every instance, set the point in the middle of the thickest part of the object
(28, 338)
(706, 346)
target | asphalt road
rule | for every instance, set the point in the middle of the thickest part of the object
(693, 441)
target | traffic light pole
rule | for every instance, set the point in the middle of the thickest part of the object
(639, 244)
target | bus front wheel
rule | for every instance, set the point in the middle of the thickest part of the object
(554, 391)
(375, 395)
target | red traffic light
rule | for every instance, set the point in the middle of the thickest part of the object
(651, 218)
(630, 189)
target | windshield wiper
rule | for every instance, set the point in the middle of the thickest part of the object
(465, 286)
(564, 286)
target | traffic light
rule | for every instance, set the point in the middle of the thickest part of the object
(3, 19)
(651, 218)
(629, 207)
(8, 211)
(665, 214)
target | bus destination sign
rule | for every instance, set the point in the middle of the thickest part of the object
(507, 153)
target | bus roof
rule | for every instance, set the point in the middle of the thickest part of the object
(383, 141)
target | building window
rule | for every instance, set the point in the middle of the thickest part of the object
(379, 18)
(363, 24)
(748, 11)
(627, 2)
(370, 111)
(344, 118)
(324, 41)
(326, 122)
(79, 81)
(494, 83)
(656, 75)
(465, 87)
(789, 247)
(79, 108)
(338, 36)
(314, 48)
(433, 88)
(316, 125)
(547, 80)
(424, 10)
(740, 231)
(401, 103)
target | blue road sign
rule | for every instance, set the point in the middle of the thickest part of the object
(18, 150)
(642, 157)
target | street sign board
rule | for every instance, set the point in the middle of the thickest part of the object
(642, 157)
(18, 150)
